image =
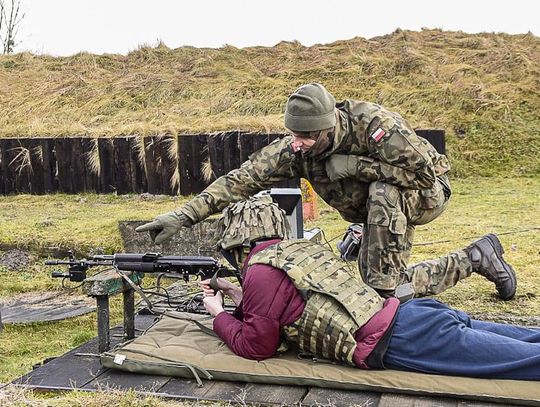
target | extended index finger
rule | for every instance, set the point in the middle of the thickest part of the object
(149, 226)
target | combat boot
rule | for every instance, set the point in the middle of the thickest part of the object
(485, 255)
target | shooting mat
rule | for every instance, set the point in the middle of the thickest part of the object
(175, 346)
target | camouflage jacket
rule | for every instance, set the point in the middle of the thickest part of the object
(389, 151)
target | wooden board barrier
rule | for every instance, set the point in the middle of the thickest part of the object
(168, 165)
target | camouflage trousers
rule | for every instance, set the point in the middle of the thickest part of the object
(393, 214)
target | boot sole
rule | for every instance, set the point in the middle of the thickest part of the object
(499, 250)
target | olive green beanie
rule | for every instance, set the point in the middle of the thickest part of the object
(310, 108)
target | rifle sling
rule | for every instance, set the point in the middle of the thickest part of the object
(202, 327)
(137, 289)
(223, 272)
(213, 281)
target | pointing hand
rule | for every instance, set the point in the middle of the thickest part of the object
(163, 227)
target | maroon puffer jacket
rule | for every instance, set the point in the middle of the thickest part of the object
(270, 301)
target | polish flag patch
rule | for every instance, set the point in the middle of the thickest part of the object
(378, 134)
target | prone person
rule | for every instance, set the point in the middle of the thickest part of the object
(368, 163)
(298, 292)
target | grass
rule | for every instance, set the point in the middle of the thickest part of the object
(88, 222)
(26, 345)
(483, 89)
(82, 222)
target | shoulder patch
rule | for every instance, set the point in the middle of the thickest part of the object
(378, 134)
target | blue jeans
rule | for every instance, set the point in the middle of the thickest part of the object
(431, 337)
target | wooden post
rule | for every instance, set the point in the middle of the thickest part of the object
(138, 176)
(215, 150)
(122, 164)
(78, 165)
(166, 165)
(129, 312)
(91, 178)
(435, 136)
(152, 179)
(7, 150)
(50, 183)
(23, 166)
(186, 164)
(200, 146)
(64, 161)
(245, 146)
(193, 152)
(103, 323)
(37, 177)
(231, 156)
(106, 164)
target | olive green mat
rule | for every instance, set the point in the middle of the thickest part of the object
(176, 346)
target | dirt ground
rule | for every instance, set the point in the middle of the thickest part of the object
(16, 260)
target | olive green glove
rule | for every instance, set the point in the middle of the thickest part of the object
(163, 227)
(341, 166)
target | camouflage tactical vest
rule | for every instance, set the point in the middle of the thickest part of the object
(337, 302)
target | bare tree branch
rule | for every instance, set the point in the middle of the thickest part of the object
(10, 20)
(1, 17)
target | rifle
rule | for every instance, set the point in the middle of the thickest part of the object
(184, 266)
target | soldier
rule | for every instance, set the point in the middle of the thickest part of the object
(299, 291)
(366, 162)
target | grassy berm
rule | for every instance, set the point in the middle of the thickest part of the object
(89, 223)
(483, 89)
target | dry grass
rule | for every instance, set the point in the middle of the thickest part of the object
(484, 89)
(16, 396)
